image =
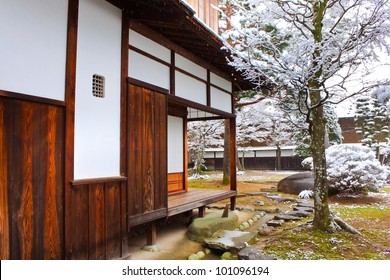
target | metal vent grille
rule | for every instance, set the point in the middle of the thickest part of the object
(98, 86)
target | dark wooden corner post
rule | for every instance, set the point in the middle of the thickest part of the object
(123, 129)
(70, 96)
(233, 167)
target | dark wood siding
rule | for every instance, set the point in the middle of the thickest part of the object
(147, 158)
(96, 220)
(31, 180)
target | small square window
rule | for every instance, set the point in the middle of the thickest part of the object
(98, 86)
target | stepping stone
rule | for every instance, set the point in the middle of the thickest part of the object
(287, 199)
(275, 197)
(252, 253)
(265, 230)
(286, 217)
(254, 193)
(269, 190)
(275, 223)
(308, 204)
(227, 240)
(306, 209)
(259, 203)
(302, 214)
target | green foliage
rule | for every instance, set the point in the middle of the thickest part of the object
(372, 122)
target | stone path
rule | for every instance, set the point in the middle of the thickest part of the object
(262, 223)
(302, 209)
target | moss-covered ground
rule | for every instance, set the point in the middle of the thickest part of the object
(296, 240)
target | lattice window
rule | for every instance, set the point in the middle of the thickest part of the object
(98, 86)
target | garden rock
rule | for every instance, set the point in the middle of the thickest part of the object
(286, 217)
(302, 214)
(265, 230)
(251, 253)
(275, 223)
(202, 228)
(226, 240)
(306, 209)
(296, 183)
(308, 204)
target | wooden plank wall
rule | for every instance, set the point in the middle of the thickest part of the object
(31, 180)
(206, 12)
(147, 158)
(97, 221)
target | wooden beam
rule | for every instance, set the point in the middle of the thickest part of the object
(202, 211)
(187, 103)
(123, 132)
(70, 97)
(31, 98)
(233, 167)
(151, 234)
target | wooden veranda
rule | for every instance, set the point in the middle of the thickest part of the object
(197, 198)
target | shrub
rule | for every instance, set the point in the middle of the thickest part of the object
(354, 169)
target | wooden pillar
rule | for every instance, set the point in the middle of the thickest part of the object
(151, 234)
(70, 98)
(202, 211)
(233, 167)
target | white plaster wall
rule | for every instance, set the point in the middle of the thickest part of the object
(190, 67)
(141, 42)
(33, 47)
(220, 82)
(220, 100)
(189, 88)
(148, 70)
(175, 144)
(97, 124)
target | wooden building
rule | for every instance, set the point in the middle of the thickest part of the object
(94, 100)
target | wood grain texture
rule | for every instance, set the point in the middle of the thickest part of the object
(70, 96)
(4, 218)
(31, 167)
(147, 157)
(175, 182)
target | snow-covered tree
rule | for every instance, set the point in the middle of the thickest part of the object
(372, 119)
(314, 49)
(333, 130)
(203, 134)
(263, 122)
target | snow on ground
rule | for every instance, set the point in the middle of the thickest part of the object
(250, 175)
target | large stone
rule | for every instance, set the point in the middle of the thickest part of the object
(275, 223)
(202, 228)
(227, 240)
(296, 183)
(286, 217)
(255, 193)
(306, 209)
(252, 253)
(308, 204)
(302, 214)
(265, 230)
(152, 248)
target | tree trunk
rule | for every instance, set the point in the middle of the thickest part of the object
(322, 219)
(317, 129)
(243, 161)
(226, 157)
(278, 158)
